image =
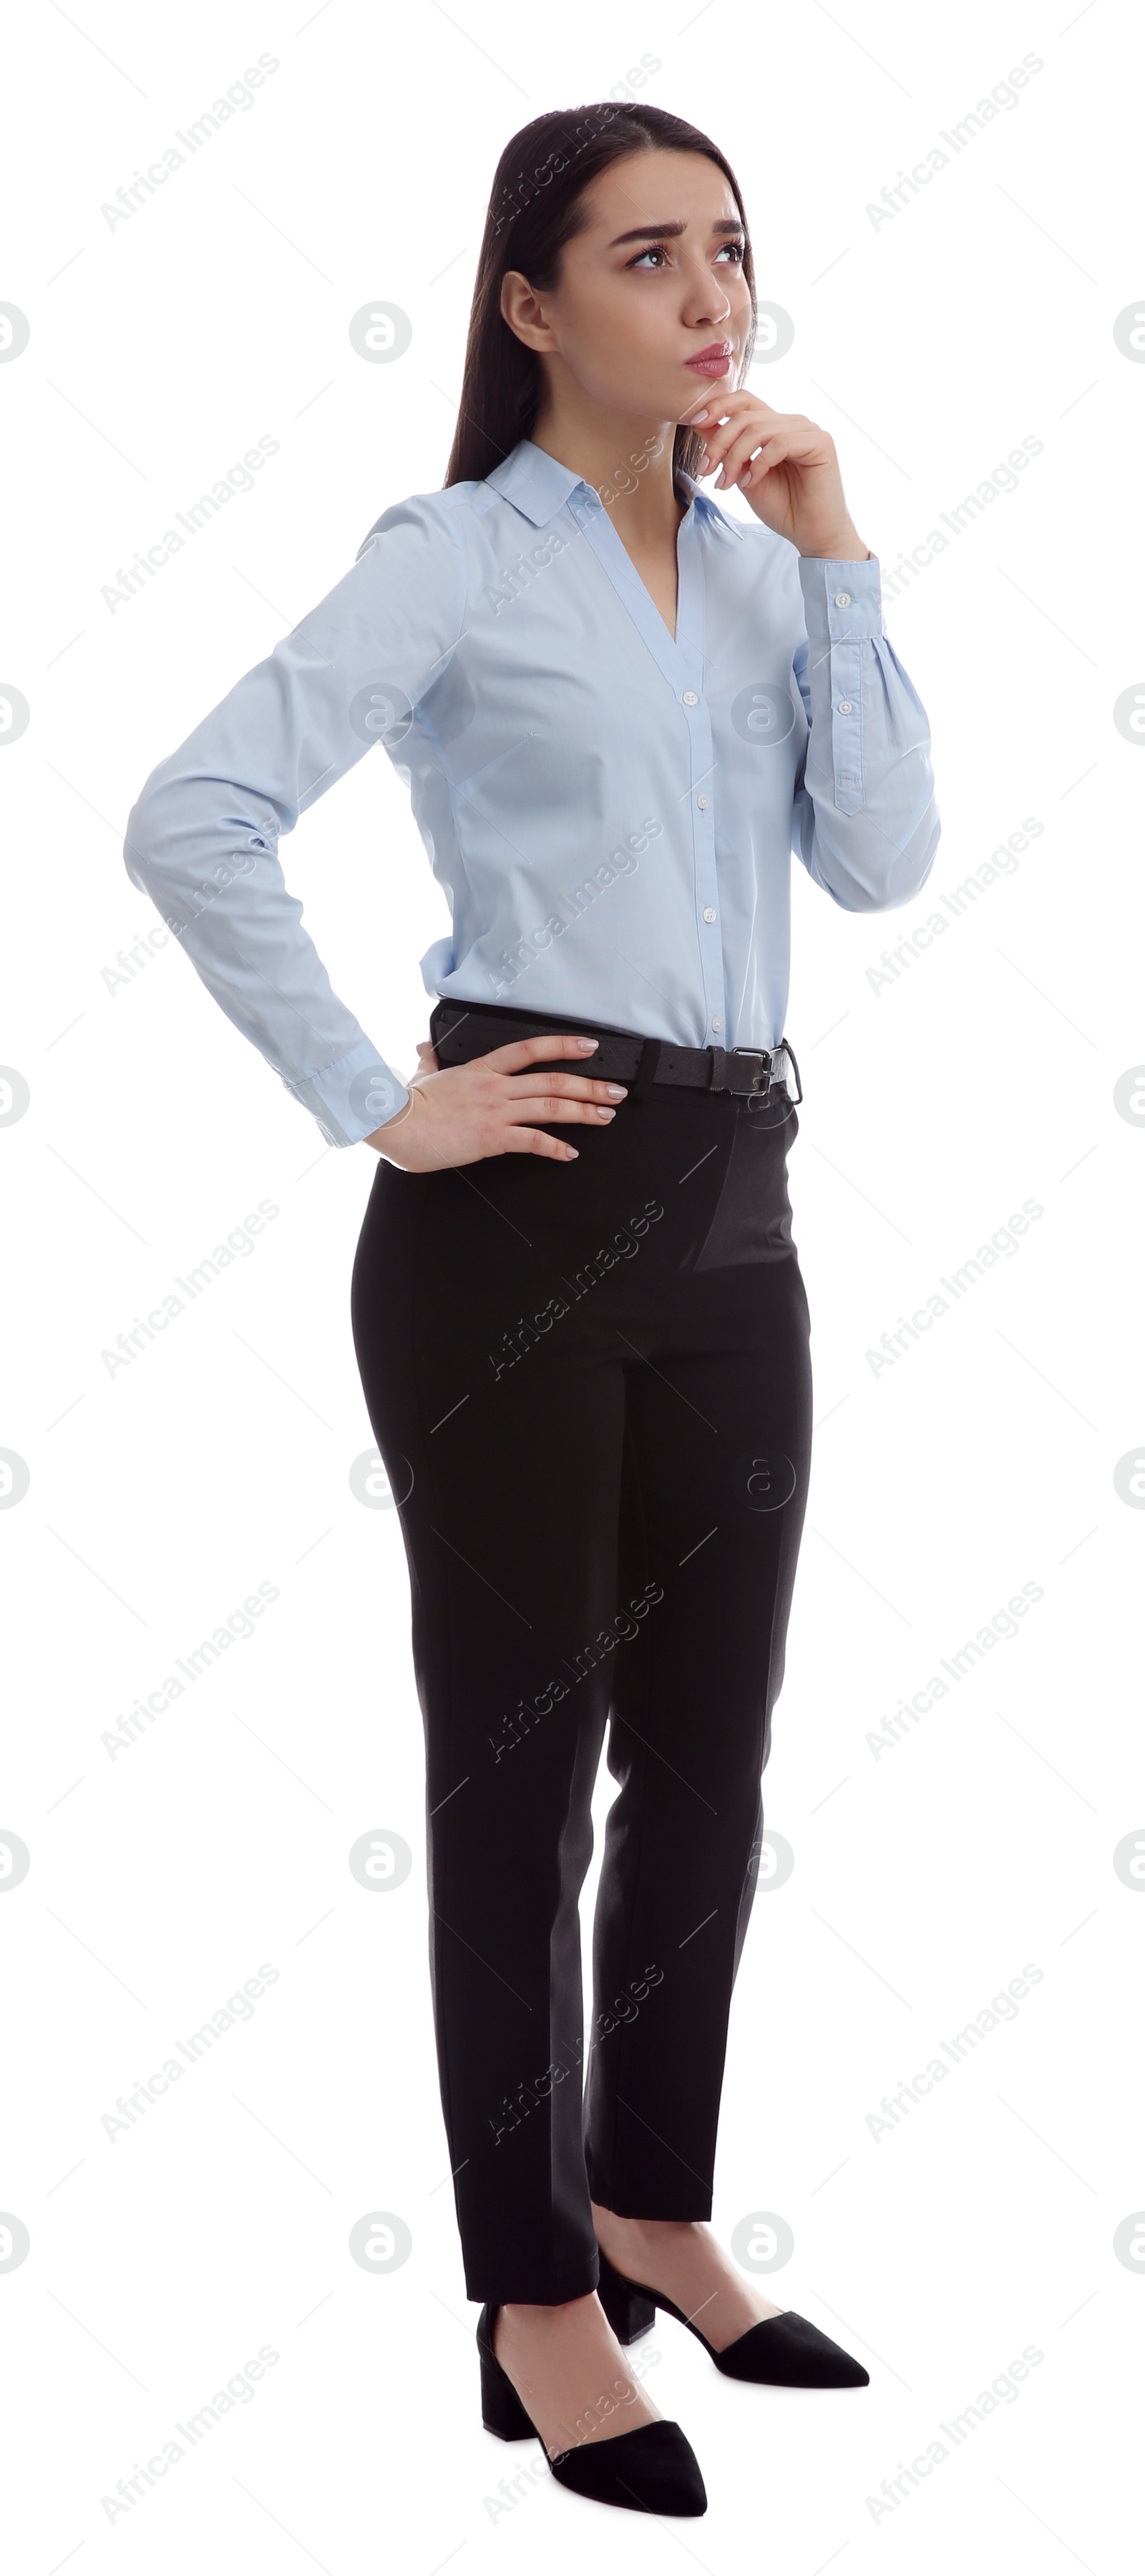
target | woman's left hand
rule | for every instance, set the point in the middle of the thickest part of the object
(787, 469)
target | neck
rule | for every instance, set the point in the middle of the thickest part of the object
(627, 460)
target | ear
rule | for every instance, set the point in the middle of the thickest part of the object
(522, 310)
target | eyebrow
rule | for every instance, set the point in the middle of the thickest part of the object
(665, 232)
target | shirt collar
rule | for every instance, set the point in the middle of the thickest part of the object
(538, 485)
(709, 509)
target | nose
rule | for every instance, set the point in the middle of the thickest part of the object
(705, 300)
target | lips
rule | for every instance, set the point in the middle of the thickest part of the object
(712, 361)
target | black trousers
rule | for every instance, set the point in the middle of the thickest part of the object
(590, 1386)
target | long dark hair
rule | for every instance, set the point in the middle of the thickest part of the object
(534, 209)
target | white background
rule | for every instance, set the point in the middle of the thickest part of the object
(983, 1459)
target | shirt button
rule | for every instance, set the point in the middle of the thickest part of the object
(845, 708)
(690, 698)
(717, 1024)
(709, 915)
(702, 801)
(842, 599)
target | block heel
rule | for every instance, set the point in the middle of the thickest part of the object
(630, 2310)
(501, 2409)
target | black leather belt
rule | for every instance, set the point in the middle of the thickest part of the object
(462, 1030)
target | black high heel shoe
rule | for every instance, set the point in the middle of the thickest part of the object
(651, 2470)
(786, 2351)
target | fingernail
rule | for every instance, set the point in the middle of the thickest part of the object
(697, 417)
(606, 1113)
(571, 1152)
(586, 1044)
(615, 1090)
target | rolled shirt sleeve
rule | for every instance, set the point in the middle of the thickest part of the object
(865, 823)
(202, 838)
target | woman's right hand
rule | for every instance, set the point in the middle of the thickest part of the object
(462, 1113)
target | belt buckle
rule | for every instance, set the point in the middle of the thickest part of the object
(758, 1085)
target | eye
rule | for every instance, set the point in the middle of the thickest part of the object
(659, 253)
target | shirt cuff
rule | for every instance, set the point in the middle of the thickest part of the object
(842, 602)
(349, 1099)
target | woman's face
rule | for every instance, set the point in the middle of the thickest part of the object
(653, 280)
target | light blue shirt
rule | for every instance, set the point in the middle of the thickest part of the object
(610, 811)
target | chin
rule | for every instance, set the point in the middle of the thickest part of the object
(709, 385)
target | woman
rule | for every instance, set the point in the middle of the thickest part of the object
(618, 711)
